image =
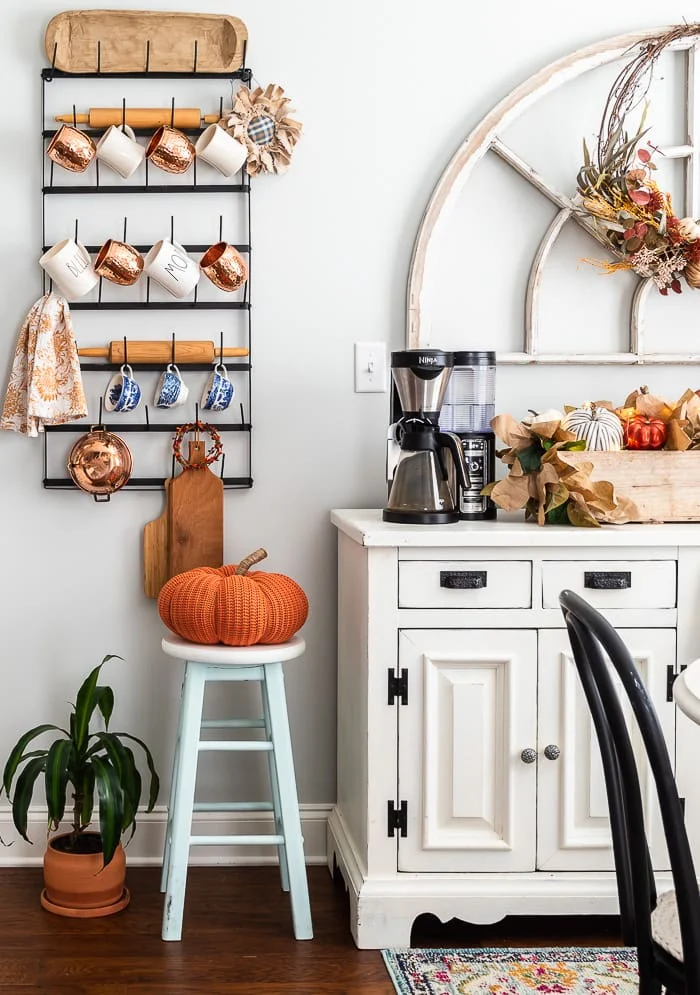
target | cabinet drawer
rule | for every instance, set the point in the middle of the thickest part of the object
(465, 584)
(612, 583)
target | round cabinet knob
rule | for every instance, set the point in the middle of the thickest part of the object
(528, 756)
(552, 752)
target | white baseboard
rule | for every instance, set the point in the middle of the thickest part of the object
(147, 845)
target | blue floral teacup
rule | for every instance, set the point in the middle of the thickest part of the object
(218, 391)
(171, 389)
(123, 393)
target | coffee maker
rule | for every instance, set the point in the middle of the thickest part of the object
(424, 456)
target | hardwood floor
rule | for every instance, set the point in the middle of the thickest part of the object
(237, 940)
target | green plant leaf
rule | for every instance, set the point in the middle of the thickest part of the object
(105, 703)
(576, 446)
(88, 698)
(57, 762)
(87, 788)
(24, 790)
(155, 780)
(111, 804)
(531, 458)
(558, 515)
(131, 783)
(17, 752)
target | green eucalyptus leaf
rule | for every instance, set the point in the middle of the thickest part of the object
(557, 515)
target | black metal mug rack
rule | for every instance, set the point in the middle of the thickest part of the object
(242, 421)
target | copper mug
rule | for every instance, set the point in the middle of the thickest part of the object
(71, 148)
(225, 266)
(171, 150)
(119, 262)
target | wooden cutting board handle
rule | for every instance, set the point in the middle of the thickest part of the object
(199, 351)
(196, 516)
(156, 560)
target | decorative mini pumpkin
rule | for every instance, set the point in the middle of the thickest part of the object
(229, 605)
(600, 428)
(652, 405)
(642, 432)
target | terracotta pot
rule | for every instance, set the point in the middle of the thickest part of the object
(79, 885)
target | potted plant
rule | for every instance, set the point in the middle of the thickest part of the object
(84, 870)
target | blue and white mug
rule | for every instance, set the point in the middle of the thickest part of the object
(218, 391)
(123, 393)
(171, 390)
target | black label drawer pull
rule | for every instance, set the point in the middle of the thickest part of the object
(607, 580)
(463, 580)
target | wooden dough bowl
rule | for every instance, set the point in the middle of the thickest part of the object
(123, 34)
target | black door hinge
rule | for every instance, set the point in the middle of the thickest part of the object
(397, 687)
(670, 678)
(397, 818)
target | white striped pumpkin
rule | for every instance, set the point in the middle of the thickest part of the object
(600, 428)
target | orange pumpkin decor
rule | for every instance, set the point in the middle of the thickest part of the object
(642, 432)
(229, 605)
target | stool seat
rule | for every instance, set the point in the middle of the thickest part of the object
(234, 656)
(218, 663)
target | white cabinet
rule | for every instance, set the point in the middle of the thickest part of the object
(472, 704)
(573, 831)
(469, 778)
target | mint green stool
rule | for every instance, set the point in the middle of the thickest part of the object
(234, 663)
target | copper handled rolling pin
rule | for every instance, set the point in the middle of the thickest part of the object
(199, 351)
(141, 117)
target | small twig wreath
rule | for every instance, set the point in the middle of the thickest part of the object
(212, 454)
(259, 119)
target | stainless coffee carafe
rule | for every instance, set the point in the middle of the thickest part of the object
(420, 490)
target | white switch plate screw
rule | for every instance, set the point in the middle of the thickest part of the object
(370, 367)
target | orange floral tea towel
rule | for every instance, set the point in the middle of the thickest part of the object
(45, 385)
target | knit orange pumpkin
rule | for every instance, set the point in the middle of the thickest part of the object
(229, 605)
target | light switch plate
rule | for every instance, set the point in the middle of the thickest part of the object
(370, 367)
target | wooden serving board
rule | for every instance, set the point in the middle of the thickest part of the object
(156, 551)
(123, 35)
(195, 517)
(665, 486)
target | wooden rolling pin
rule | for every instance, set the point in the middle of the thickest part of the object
(199, 351)
(141, 117)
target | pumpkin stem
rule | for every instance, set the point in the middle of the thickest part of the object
(245, 565)
(644, 389)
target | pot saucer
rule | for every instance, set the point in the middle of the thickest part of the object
(105, 910)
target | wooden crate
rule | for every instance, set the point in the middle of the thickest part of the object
(664, 486)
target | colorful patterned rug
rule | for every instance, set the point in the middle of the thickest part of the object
(503, 971)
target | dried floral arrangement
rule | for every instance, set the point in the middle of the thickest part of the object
(260, 120)
(617, 192)
(545, 485)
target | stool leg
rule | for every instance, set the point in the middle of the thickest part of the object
(289, 804)
(274, 790)
(192, 703)
(172, 801)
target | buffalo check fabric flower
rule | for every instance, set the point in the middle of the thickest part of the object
(260, 120)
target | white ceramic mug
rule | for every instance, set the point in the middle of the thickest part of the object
(169, 265)
(221, 150)
(120, 150)
(69, 265)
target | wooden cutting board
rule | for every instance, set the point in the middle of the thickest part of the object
(156, 544)
(196, 517)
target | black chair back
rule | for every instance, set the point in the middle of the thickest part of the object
(591, 635)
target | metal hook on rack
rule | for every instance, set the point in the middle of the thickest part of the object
(148, 55)
(223, 461)
(99, 56)
(172, 350)
(172, 227)
(99, 419)
(124, 236)
(172, 113)
(194, 67)
(221, 347)
(76, 230)
(221, 227)
(75, 119)
(148, 421)
(123, 113)
(242, 413)
(126, 353)
(221, 106)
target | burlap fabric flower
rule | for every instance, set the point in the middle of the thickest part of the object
(260, 121)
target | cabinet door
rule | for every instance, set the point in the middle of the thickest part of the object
(471, 711)
(573, 831)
